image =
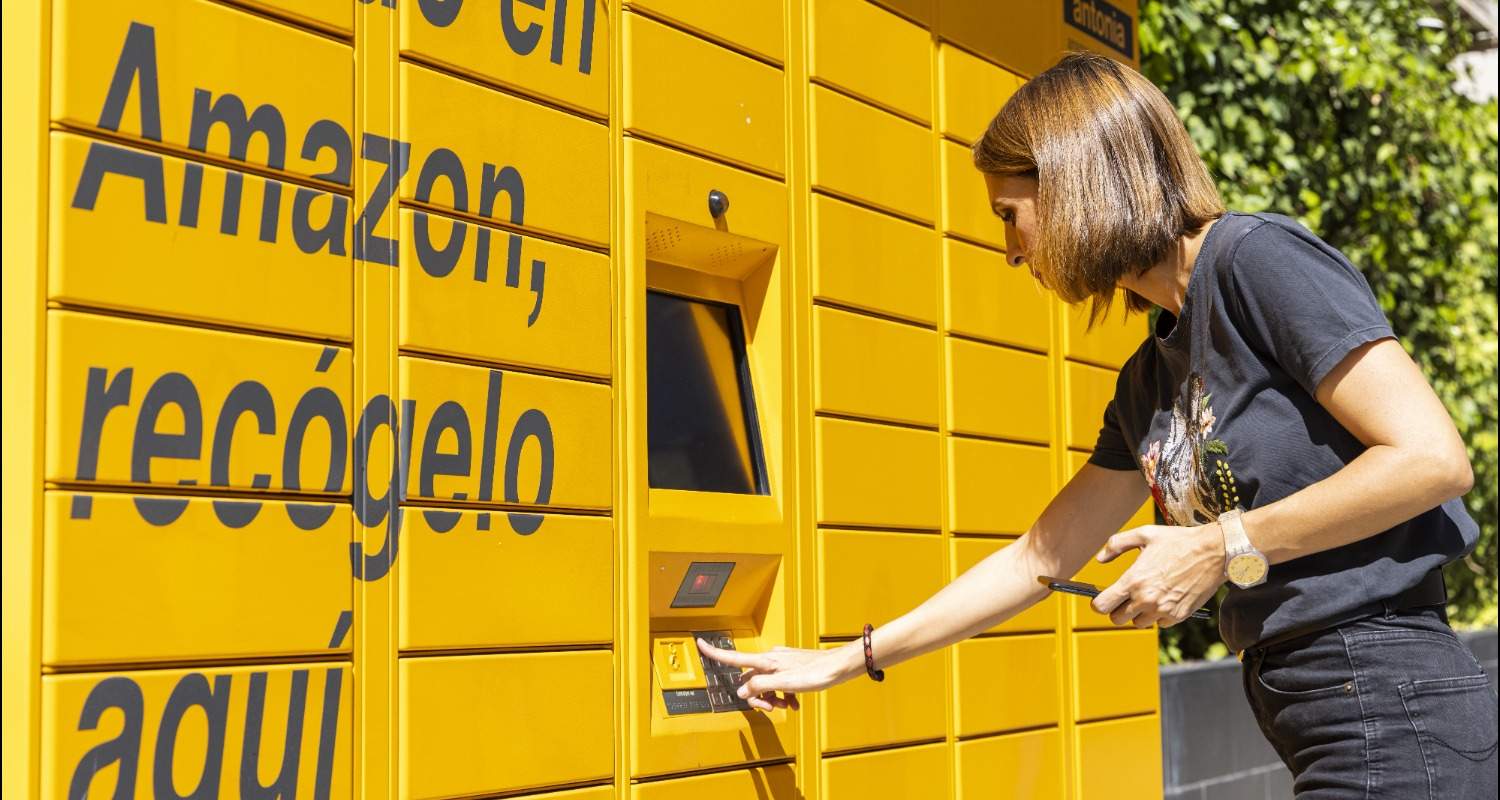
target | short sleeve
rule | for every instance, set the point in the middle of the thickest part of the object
(1302, 303)
(1110, 450)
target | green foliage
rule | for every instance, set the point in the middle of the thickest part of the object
(1340, 113)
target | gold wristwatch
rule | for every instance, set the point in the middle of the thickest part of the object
(1244, 566)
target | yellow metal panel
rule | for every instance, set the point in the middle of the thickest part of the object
(853, 145)
(1113, 340)
(464, 303)
(547, 444)
(873, 368)
(192, 46)
(196, 403)
(1026, 41)
(966, 202)
(996, 391)
(756, 25)
(903, 772)
(911, 705)
(525, 47)
(456, 562)
(1087, 390)
(877, 475)
(995, 487)
(1040, 617)
(500, 157)
(758, 783)
(605, 792)
(676, 185)
(1005, 683)
(973, 91)
(206, 717)
(874, 577)
(461, 716)
(1080, 613)
(1114, 673)
(1118, 759)
(899, 77)
(923, 12)
(118, 251)
(873, 261)
(988, 299)
(337, 15)
(1015, 765)
(737, 107)
(119, 589)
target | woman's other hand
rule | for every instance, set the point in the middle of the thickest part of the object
(1177, 571)
(773, 678)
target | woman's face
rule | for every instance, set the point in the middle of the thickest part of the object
(1013, 198)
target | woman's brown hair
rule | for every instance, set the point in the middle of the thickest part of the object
(1119, 181)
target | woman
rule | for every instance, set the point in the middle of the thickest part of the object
(1287, 439)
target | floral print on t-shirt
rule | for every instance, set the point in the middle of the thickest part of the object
(1177, 468)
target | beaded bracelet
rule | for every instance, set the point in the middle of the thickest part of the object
(875, 674)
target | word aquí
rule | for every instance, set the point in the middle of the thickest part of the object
(197, 696)
(136, 69)
(378, 426)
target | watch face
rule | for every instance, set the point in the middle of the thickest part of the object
(1246, 569)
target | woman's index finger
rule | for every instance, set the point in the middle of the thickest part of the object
(733, 658)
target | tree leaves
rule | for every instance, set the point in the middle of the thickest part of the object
(1341, 113)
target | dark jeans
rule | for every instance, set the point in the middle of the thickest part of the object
(1392, 706)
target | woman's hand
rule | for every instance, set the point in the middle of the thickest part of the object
(786, 670)
(1177, 571)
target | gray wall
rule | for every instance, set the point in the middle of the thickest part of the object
(1211, 748)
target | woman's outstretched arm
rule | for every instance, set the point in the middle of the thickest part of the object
(1093, 505)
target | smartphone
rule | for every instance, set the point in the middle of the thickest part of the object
(1090, 590)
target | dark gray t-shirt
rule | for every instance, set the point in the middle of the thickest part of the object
(1216, 409)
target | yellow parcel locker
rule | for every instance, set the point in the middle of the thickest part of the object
(988, 299)
(873, 577)
(966, 207)
(921, 771)
(972, 92)
(1005, 683)
(483, 435)
(480, 724)
(877, 475)
(1026, 764)
(911, 705)
(873, 261)
(1118, 758)
(1114, 673)
(1086, 390)
(842, 36)
(475, 292)
(996, 487)
(874, 368)
(706, 462)
(1112, 341)
(246, 251)
(494, 156)
(982, 398)
(141, 403)
(777, 780)
(123, 733)
(738, 108)
(336, 16)
(120, 589)
(469, 581)
(853, 143)
(758, 26)
(560, 53)
(216, 85)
